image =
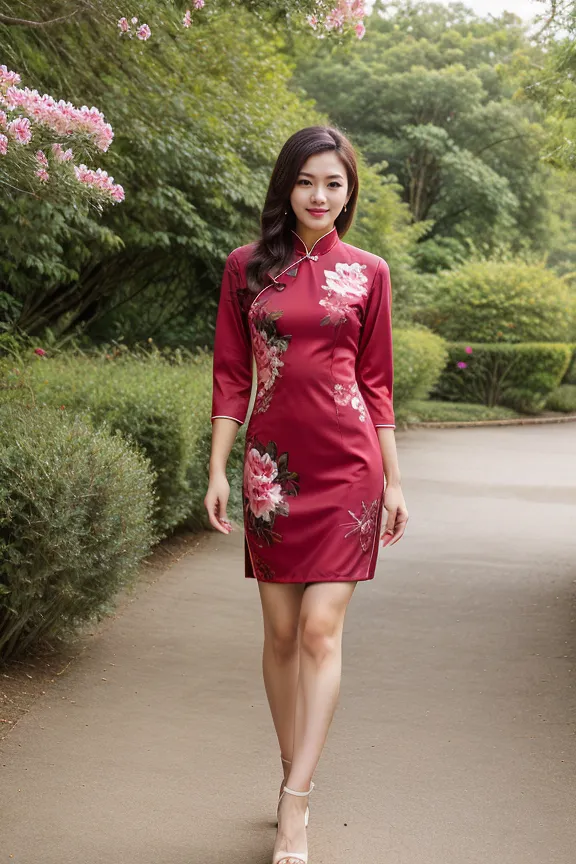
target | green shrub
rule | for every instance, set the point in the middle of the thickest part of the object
(563, 399)
(162, 407)
(419, 357)
(519, 376)
(499, 302)
(75, 508)
(570, 376)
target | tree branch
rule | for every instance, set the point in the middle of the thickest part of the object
(6, 19)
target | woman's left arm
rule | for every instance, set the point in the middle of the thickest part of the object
(375, 376)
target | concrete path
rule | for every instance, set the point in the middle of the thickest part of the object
(453, 742)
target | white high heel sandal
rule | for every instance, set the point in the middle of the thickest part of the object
(306, 814)
(292, 857)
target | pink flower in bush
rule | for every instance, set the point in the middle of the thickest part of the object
(123, 25)
(264, 495)
(461, 364)
(313, 21)
(99, 179)
(40, 351)
(187, 20)
(360, 30)
(20, 130)
(42, 173)
(134, 20)
(60, 154)
(3, 118)
(8, 78)
(41, 157)
(199, 4)
(143, 32)
(3, 145)
(468, 349)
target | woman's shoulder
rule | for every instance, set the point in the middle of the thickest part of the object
(240, 256)
(354, 253)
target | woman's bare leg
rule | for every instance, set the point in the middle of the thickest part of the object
(322, 613)
(281, 611)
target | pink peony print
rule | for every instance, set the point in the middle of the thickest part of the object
(264, 495)
(344, 285)
(267, 484)
(267, 347)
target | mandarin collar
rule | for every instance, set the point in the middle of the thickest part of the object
(322, 245)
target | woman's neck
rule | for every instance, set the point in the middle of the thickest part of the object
(308, 235)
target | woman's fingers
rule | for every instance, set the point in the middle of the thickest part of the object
(399, 527)
(214, 508)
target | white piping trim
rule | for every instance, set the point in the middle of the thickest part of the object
(315, 242)
(226, 417)
(387, 425)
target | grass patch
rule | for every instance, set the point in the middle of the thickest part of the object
(435, 411)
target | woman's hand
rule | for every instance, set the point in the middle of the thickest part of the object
(216, 501)
(397, 515)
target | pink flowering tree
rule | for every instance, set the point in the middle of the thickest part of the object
(42, 141)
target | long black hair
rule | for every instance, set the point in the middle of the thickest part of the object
(275, 246)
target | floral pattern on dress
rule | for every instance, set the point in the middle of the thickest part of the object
(344, 285)
(267, 484)
(260, 567)
(365, 524)
(267, 347)
(349, 394)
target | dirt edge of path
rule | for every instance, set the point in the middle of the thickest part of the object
(27, 679)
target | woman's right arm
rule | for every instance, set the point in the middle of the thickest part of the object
(231, 389)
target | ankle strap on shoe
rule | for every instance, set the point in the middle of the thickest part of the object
(299, 794)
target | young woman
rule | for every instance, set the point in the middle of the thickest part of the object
(320, 461)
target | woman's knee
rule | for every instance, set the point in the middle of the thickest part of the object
(282, 640)
(320, 636)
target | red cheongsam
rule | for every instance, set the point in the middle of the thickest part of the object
(320, 335)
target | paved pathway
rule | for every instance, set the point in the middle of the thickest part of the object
(453, 742)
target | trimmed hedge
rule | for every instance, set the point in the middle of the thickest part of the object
(570, 376)
(493, 302)
(563, 399)
(161, 406)
(75, 507)
(519, 376)
(419, 358)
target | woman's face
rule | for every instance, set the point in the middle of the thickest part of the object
(320, 193)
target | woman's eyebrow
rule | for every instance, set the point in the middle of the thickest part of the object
(328, 176)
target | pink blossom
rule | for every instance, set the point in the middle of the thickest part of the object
(313, 21)
(468, 349)
(461, 364)
(60, 154)
(134, 20)
(100, 180)
(61, 117)
(264, 495)
(7, 77)
(123, 25)
(144, 33)
(42, 174)
(40, 351)
(360, 30)
(20, 130)
(3, 145)
(199, 4)
(41, 157)
(3, 118)
(187, 20)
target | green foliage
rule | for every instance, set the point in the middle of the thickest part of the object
(159, 405)
(435, 411)
(75, 507)
(419, 357)
(570, 377)
(519, 376)
(428, 92)
(491, 301)
(563, 399)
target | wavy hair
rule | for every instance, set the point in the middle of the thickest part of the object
(274, 248)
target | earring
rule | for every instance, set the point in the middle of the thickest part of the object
(345, 207)
(285, 212)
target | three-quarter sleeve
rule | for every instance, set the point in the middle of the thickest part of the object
(375, 362)
(232, 363)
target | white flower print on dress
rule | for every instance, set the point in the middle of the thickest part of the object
(365, 524)
(344, 285)
(349, 394)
